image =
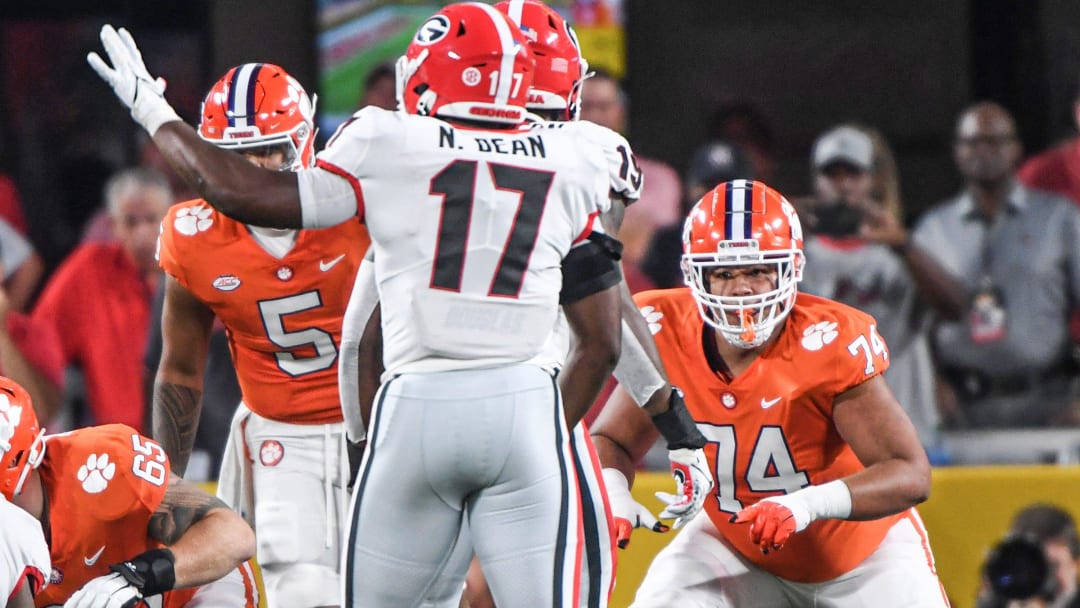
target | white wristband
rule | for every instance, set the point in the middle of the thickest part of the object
(829, 500)
(155, 117)
(614, 479)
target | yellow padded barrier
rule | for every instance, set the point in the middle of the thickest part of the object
(968, 511)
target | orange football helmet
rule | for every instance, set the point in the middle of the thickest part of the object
(22, 441)
(467, 61)
(560, 68)
(741, 223)
(256, 105)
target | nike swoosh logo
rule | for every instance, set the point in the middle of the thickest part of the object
(324, 266)
(90, 561)
(767, 403)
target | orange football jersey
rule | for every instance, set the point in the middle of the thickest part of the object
(770, 429)
(282, 315)
(103, 483)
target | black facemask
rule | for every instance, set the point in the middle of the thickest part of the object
(836, 219)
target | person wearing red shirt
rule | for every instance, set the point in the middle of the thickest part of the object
(1058, 170)
(98, 301)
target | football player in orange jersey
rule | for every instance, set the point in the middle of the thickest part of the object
(817, 467)
(281, 295)
(120, 527)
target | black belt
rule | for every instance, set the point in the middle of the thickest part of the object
(972, 384)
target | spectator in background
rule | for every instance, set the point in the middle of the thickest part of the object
(1057, 169)
(22, 264)
(22, 267)
(30, 354)
(11, 208)
(714, 163)
(742, 123)
(1013, 251)
(604, 102)
(99, 228)
(856, 190)
(1037, 528)
(380, 88)
(98, 301)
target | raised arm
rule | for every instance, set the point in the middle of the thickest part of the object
(230, 183)
(186, 324)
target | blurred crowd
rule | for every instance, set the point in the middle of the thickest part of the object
(974, 296)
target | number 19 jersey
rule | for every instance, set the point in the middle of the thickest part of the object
(469, 229)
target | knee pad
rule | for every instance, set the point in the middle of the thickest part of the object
(301, 586)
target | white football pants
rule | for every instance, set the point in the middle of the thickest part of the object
(488, 447)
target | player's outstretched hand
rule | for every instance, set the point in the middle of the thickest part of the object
(109, 591)
(772, 522)
(627, 512)
(692, 484)
(143, 94)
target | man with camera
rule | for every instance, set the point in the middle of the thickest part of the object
(1036, 565)
(860, 255)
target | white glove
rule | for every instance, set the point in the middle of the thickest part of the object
(107, 591)
(135, 87)
(692, 482)
(627, 512)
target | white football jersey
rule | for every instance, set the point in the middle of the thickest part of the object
(469, 229)
(623, 171)
(625, 179)
(23, 551)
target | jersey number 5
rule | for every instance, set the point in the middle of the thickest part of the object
(771, 467)
(273, 317)
(457, 185)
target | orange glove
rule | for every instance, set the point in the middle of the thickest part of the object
(774, 519)
(771, 524)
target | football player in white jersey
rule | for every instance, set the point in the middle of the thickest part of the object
(555, 98)
(24, 556)
(480, 230)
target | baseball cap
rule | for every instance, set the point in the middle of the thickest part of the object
(844, 144)
(717, 162)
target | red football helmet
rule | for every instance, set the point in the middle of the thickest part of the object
(742, 223)
(560, 68)
(22, 441)
(467, 61)
(255, 105)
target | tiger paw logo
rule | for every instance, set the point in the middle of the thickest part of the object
(193, 220)
(271, 452)
(652, 318)
(818, 335)
(96, 473)
(10, 415)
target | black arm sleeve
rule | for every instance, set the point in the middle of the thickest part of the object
(590, 267)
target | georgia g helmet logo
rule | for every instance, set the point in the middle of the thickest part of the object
(433, 30)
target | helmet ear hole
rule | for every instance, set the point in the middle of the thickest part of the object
(461, 29)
